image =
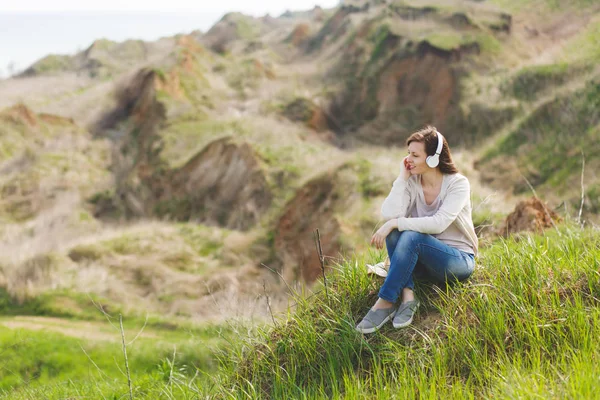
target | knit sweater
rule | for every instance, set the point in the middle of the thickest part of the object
(455, 198)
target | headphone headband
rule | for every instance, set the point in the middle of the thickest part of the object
(440, 143)
(434, 159)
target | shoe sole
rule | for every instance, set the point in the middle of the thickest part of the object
(376, 328)
(403, 325)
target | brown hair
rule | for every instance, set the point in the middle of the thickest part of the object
(429, 137)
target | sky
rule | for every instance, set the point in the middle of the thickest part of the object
(32, 29)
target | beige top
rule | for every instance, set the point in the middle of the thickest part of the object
(448, 218)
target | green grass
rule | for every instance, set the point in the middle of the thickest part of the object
(586, 45)
(185, 137)
(524, 326)
(527, 5)
(185, 247)
(526, 320)
(378, 37)
(454, 40)
(446, 41)
(548, 144)
(45, 364)
(244, 76)
(529, 82)
(53, 63)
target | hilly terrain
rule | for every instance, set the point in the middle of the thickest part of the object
(179, 183)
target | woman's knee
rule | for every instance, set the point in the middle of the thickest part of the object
(411, 236)
(392, 239)
(408, 240)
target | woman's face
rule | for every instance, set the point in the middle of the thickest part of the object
(416, 158)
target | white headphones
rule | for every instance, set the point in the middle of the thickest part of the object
(434, 160)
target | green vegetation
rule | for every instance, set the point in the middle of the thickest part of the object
(454, 40)
(479, 121)
(369, 184)
(378, 37)
(103, 44)
(528, 317)
(247, 28)
(447, 41)
(524, 326)
(187, 136)
(586, 45)
(245, 75)
(52, 63)
(524, 5)
(530, 82)
(206, 241)
(129, 50)
(37, 146)
(548, 144)
(179, 247)
(49, 365)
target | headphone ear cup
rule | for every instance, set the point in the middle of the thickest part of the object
(433, 161)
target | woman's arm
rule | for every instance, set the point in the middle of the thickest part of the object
(396, 203)
(457, 197)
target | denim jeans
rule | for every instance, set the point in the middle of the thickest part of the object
(425, 256)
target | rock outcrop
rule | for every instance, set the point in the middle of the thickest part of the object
(315, 205)
(413, 88)
(529, 215)
(299, 35)
(222, 185)
(231, 27)
(19, 114)
(305, 111)
(396, 73)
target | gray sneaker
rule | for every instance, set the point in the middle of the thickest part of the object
(375, 319)
(405, 313)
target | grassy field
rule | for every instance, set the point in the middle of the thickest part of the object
(524, 326)
(54, 358)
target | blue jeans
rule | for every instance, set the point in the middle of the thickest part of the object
(422, 254)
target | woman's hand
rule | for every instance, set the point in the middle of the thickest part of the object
(378, 239)
(405, 170)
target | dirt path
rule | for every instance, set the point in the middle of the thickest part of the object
(79, 329)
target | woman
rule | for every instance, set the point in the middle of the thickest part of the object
(429, 229)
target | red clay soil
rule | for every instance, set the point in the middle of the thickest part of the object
(305, 111)
(425, 82)
(55, 119)
(300, 34)
(529, 215)
(20, 113)
(311, 208)
(225, 185)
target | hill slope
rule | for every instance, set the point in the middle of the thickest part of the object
(525, 320)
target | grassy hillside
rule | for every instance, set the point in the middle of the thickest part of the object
(41, 360)
(524, 322)
(557, 125)
(245, 104)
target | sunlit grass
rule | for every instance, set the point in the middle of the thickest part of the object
(524, 326)
(527, 317)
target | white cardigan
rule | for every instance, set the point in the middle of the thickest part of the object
(456, 207)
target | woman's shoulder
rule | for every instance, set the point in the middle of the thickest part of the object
(457, 179)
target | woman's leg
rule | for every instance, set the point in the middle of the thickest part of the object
(406, 250)
(391, 241)
(441, 261)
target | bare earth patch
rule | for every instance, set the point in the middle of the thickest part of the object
(79, 329)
